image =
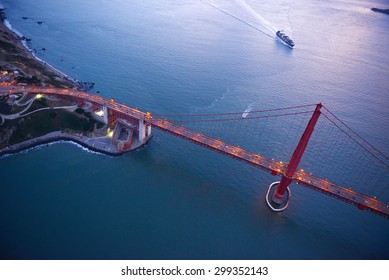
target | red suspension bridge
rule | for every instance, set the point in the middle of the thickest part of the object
(347, 152)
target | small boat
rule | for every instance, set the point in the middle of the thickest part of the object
(247, 111)
(285, 39)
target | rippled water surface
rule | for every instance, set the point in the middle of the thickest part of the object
(171, 199)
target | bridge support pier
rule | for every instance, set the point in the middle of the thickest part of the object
(105, 116)
(144, 130)
(283, 186)
(282, 204)
(279, 194)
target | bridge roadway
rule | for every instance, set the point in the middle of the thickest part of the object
(300, 177)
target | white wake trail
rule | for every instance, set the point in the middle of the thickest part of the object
(239, 19)
(261, 19)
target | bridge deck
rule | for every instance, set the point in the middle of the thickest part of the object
(300, 177)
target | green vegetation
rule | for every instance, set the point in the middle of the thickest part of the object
(43, 122)
(88, 115)
(39, 123)
(9, 47)
(99, 125)
(27, 80)
(40, 103)
(5, 109)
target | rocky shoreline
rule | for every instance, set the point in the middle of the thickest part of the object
(15, 57)
(378, 10)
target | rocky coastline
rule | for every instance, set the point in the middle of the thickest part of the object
(14, 56)
(19, 66)
(378, 10)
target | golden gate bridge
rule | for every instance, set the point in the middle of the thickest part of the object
(358, 172)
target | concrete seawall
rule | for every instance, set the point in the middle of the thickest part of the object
(93, 144)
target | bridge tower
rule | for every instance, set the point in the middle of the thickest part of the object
(279, 193)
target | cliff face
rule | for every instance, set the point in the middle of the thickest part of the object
(14, 56)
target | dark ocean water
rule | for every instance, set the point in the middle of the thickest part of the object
(171, 199)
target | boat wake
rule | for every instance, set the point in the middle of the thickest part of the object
(254, 20)
(265, 23)
(214, 102)
(264, 31)
(277, 34)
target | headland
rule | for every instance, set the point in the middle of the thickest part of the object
(28, 120)
(25, 67)
(378, 10)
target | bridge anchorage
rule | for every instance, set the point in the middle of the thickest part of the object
(280, 197)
